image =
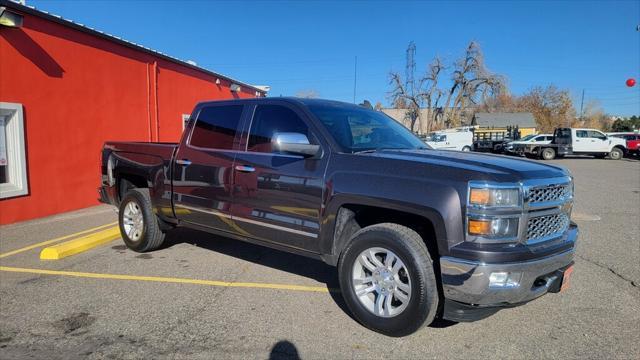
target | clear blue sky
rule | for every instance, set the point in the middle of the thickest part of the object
(295, 46)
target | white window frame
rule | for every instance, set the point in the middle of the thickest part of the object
(16, 158)
(185, 120)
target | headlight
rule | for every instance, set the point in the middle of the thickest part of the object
(494, 197)
(493, 228)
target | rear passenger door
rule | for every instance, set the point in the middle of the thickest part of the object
(277, 197)
(203, 171)
(582, 143)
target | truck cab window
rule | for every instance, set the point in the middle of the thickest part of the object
(597, 135)
(216, 127)
(270, 119)
(582, 134)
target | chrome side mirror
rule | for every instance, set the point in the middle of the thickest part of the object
(294, 143)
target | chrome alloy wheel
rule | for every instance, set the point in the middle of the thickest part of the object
(133, 221)
(381, 282)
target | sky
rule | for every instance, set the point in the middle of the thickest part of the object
(312, 45)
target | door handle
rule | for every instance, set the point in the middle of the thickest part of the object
(245, 168)
(183, 162)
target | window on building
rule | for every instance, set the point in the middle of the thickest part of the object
(185, 120)
(269, 119)
(216, 127)
(13, 161)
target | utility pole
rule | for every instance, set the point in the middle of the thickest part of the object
(581, 105)
(355, 78)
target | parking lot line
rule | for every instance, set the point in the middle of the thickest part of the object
(169, 280)
(52, 241)
(81, 244)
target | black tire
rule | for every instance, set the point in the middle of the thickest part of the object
(466, 148)
(548, 154)
(152, 235)
(616, 154)
(409, 247)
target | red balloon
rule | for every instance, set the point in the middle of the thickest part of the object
(631, 82)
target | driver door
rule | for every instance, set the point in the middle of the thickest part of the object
(277, 197)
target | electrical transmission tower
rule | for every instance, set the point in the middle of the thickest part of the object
(411, 69)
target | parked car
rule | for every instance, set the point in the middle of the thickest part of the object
(415, 233)
(518, 146)
(632, 140)
(451, 140)
(572, 141)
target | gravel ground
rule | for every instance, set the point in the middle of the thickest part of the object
(62, 317)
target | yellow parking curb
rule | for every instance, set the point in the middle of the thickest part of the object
(79, 245)
(33, 246)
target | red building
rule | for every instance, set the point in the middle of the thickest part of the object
(65, 89)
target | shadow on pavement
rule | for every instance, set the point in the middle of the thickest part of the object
(284, 350)
(280, 260)
(261, 255)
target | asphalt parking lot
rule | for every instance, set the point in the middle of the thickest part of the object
(209, 297)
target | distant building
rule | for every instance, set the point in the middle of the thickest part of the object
(400, 115)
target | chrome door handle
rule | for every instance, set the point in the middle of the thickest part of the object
(183, 162)
(245, 168)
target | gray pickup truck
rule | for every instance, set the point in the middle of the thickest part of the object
(416, 234)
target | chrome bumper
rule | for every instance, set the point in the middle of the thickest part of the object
(468, 282)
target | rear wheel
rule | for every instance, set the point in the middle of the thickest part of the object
(466, 148)
(616, 154)
(139, 226)
(548, 154)
(387, 279)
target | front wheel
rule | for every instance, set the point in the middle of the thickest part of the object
(139, 226)
(387, 279)
(616, 154)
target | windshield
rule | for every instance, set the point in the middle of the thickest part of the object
(528, 137)
(359, 129)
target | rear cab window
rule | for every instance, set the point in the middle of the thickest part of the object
(216, 127)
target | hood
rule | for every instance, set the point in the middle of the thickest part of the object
(498, 167)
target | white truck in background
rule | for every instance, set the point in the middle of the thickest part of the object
(573, 141)
(453, 139)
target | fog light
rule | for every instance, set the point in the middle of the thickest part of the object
(504, 280)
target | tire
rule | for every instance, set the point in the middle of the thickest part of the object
(616, 154)
(139, 226)
(466, 148)
(415, 304)
(548, 154)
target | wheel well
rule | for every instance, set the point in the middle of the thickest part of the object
(125, 182)
(622, 148)
(352, 218)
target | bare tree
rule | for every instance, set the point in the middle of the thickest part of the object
(470, 79)
(471, 84)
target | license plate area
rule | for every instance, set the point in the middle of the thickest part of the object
(566, 278)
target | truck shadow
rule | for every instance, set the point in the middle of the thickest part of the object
(279, 260)
(260, 255)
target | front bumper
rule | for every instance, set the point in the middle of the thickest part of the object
(468, 282)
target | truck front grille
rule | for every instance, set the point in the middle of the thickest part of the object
(543, 194)
(546, 227)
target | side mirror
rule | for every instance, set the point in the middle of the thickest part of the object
(294, 143)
